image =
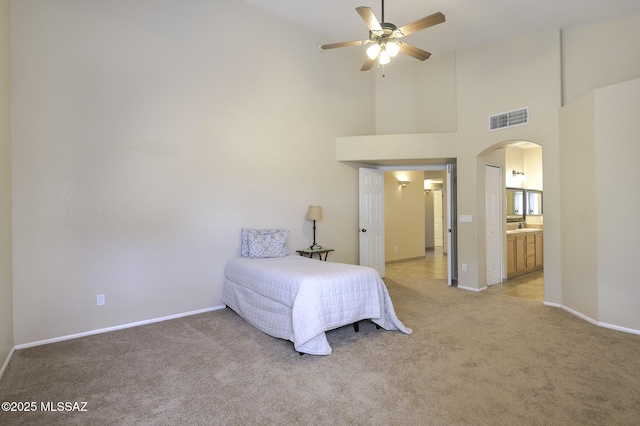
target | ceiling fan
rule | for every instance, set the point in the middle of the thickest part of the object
(384, 38)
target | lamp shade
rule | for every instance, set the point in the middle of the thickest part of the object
(314, 213)
(392, 48)
(373, 50)
(384, 57)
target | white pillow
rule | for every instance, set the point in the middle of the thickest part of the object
(263, 243)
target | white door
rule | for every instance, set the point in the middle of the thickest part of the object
(438, 228)
(371, 224)
(493, 234)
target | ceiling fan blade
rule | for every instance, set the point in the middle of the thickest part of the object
(369, 18)
(343, 44)
(421, 24)
(413, 51)
(368, 64)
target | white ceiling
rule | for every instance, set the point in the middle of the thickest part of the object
(468, 23)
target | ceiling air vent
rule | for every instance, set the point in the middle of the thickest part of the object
(509, 119)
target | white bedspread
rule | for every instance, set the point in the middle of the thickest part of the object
(298, 299)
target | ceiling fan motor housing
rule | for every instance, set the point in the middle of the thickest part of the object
(389, 30)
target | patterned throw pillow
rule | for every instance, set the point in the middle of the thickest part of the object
(263, 243)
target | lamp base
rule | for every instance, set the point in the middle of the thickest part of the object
(314, 245)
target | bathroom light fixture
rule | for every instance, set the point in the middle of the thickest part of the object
(516, 174)
(403, 183)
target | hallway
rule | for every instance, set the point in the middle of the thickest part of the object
(434, 266)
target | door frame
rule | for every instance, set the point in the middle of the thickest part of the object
(451, 206)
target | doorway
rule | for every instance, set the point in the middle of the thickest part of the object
(411, 192)
(512, 164)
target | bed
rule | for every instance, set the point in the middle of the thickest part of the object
(298, 299)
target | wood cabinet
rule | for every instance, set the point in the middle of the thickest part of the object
(539, 248)
(524, 252)
(511, 255)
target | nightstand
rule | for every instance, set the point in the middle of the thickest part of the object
(319, 251)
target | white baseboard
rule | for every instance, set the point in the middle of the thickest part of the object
(472, 289)
(592, 321)
(117, 327)
(618, 328)
(580, 315)
(6, 362)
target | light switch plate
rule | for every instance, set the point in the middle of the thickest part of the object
(464, 218)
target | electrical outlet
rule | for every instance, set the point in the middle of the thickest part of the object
(396, 248)
(100, 300)
(464, 267)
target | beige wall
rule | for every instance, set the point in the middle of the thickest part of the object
(417, 98)
(617, 201)
(599, 55)
(522, 72)
(579, 233)
(6, 292)
(434, 147)
(140, 152)
(395, 98)
(514, 160)
(436, 95)
(533, 168)
(600, 203)
(134, 151)
(404, 215)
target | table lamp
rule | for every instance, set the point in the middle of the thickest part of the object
(314, 213)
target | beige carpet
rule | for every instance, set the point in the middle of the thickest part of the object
(473, 359)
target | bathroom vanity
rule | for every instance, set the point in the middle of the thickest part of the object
(524, 251)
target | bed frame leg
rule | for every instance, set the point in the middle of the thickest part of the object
(356, 326)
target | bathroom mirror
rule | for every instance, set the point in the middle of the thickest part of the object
(515, 204)
(534, 202)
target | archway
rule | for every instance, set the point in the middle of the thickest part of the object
(521, 265)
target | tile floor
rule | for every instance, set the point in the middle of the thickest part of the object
(434, 266)
(526, 286)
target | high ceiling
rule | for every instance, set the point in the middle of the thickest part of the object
(468, 23)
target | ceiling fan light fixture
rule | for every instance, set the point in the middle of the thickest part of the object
(392, 48)
(373, 50)
(385, 58)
